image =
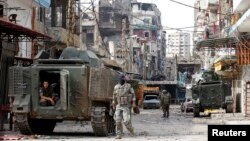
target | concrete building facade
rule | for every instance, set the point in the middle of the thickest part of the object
(179, 44)
(211, 20)
(233, 33)
(128, 32)
(148, 41)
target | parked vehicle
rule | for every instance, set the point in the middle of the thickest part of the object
(151, 102)
(151, 97)
(187, 105)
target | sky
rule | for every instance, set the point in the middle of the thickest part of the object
(173, 14)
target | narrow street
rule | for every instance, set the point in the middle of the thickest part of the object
(148, 126)
(65, 61)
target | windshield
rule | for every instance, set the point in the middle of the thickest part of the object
(151, 97)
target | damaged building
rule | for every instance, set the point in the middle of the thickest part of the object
(149, 42)
(129, 33)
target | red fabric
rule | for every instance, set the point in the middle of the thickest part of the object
(214, 27)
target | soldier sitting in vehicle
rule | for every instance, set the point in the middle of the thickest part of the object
(47, 96)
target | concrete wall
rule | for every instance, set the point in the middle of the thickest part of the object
(24, 19)
(245, 79)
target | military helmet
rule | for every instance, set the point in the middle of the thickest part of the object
(121, 76)
(164, 91)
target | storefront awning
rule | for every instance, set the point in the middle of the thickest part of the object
(10, 32)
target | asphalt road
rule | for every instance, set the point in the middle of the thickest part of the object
(149, 125)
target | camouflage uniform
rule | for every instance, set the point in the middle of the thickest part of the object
(122, 97)
(165, 102)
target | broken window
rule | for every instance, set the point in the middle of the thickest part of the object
(54, 19)
(147, 7)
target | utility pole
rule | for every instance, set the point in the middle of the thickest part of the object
(124, 47)
(80, 33)
(144, 61)
(71, 23)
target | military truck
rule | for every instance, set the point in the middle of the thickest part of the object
(84, 86)
(209, 92)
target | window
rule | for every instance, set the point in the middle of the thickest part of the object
(56, 20)
(40, 13)
(90, 36)
(146, 21)
(146, 34)
(146, 7)
(1, 10)
(107, 17)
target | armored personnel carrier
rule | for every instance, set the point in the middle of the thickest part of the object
(209, 92)
(84, 87)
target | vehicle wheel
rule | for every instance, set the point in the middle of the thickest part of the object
(229, 108)
(196, 111)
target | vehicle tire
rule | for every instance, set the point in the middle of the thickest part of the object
(229, 108)
(196, 112)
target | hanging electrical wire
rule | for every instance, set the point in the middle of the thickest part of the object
(196, 7)
(147, 24)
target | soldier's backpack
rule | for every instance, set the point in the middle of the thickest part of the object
(165, 99)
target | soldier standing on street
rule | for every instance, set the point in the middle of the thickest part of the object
(165, 102)
(122, 97)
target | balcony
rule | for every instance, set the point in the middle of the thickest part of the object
(240, 5)
(60, 35)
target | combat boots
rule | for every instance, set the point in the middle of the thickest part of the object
(118, 136)
(131, 132)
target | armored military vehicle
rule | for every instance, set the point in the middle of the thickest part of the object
(209, 92)
(84, 86)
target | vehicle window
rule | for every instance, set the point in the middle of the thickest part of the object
(150, 97)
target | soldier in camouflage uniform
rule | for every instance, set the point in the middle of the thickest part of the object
(165, 102)
(122, 97)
